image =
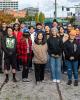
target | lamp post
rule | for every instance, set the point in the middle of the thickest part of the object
(55, 9)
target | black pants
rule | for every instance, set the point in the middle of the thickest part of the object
(18, 65)
(29, 61)
(63, 66)
(39, 71)
(25, 70)
(1, 55)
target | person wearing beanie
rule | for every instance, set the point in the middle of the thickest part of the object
(55, 51)
(72, 53)
(25, 51)
(73, 33)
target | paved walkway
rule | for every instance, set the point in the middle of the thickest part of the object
(43, 91)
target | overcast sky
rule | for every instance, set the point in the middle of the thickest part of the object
(47, 6)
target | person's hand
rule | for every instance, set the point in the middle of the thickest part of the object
(57, 56)
(71, 58)
(52, 55)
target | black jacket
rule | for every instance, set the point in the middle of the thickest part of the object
(71, 50)
(55, 45)
(0, 44)
(9, 45)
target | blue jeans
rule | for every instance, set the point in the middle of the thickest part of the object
(47, 67)
(72, 66)
(55, 68)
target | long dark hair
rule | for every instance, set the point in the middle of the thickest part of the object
(37, 40)
(15, 25)
(60, 28)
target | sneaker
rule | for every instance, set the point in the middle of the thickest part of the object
(58, 81)
(69, 82)
(76, 83)
(54, 80)
(30, 70)
(6, 80)
(38, 83)
(25, 80)
(14, 80)
(43, 81)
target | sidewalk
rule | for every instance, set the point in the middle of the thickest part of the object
(43, 91)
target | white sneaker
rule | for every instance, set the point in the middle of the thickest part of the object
(54, 80)
(38, 83)
(58, 81)
(25, 80)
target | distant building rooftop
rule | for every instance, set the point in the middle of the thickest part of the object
(32, 11)
(8, 4)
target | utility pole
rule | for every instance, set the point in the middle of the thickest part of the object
(55, 9)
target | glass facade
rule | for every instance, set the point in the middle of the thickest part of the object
(9, 5)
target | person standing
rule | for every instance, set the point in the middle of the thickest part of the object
(47, 35)
(62, 34)
(72, 53)
(3, 32)
(78, 41)
(40, 57)
(18, 36)
(9, 48)
(25, 51)
(55, 51)
(32, 36)
(1, 53)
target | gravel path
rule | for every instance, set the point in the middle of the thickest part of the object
(46, 90)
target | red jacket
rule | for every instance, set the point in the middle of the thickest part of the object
(23, 50)
(18, 38)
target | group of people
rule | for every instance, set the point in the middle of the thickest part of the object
(55, 49)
